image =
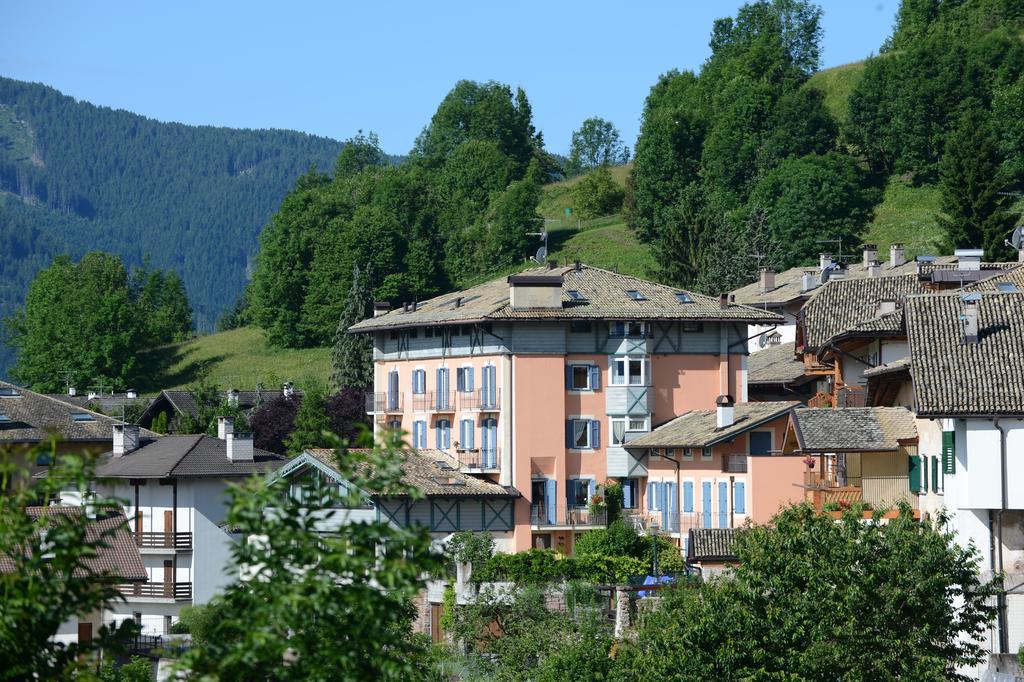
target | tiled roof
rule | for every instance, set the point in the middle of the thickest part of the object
(775, 365)
(893, 367)
(953, 378)
(698, 429)
(107, 404)
(29, 417)
(432, 472)
(185, 456)
(853, 429)
(789, 282)
(842, 305)
(117, 556)
(1013, 277)
(711, 544)
(601, 295)
(184, 402)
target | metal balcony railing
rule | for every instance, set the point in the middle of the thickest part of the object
(384, 402)
(175, 591)
(163, 540)
(479, 459)
(434, 401)
(673, 522)
(563, 516)
(734, 464)
(480, 400)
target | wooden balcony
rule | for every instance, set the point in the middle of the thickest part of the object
(175, 591)
(169, 541)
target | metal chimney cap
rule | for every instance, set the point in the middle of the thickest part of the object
(725, 401)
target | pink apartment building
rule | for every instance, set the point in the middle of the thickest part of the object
(539, 381)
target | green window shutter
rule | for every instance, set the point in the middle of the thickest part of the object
(948, 452)
(914, 473)
(935, 474)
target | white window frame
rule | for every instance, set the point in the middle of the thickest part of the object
(412, 377)
(572, 368)
(625, 419)
(416, 429)
(586, 431)
(627, 374)
(687, 454)
(588, 479)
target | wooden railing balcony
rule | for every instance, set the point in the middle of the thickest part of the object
(480, 400)
(175, 591)
(163, 540)
(384, 402)
(479, 459)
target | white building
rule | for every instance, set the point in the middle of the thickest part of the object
(173, 495)
(967, 366)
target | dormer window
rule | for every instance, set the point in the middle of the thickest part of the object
(635, 295)
(7, 392)
(82, 417)
(4, 419)
(683, 297)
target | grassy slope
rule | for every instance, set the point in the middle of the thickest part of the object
(240, 358)
(837, 83)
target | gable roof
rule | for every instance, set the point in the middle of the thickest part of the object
(106, 403)
(699, 428)
(776, 364)
(853, 429)
(189, 456)
(184, 402)
(711, 544)
(952, 378)
(848, 304)
(432, 472)
(1012, 276)
(30, 417)
(602, 295)
(117, 556)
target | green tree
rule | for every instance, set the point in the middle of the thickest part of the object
(80, 322)
(359, 153)
(813, 598)
(597, 194)
(164, 305)
(311, 422)
(596, 143)
(138, 669)
(352, 354)
(313, 605)
(211, 402)
(972, 175)
(49, 576)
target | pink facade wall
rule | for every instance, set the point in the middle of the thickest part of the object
(691, 382)
(777, 480)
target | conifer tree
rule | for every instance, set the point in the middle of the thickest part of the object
(352, 354)
(311, 422)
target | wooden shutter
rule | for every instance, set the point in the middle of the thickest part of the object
(595, 434)
(568, 434)
(650, 496)
(595, 377)
(468, 373)
(935, 474)
(914, 473)
(551, 491)
(687, 496)
(739, 497)
(568, 376)
(948, 452)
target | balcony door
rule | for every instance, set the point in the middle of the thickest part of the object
(168, 528)
(489, 392)
(168, 578)
(489, 443)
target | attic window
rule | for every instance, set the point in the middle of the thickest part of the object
(82, 417)
(4, 419)
(1006, 287)
(575, 295)
(6, 392)
(683, 297)
(635, 295)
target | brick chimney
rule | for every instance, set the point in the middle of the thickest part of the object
(724, 411)
(723, 301)
(239, 447)
(870, 254)
(897, 256)
(767, 280)
(969, 318)
(126, 439)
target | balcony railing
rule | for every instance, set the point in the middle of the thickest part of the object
(175, 591)
(480, 400)
(734, 464)
(674, 522)
(434, 401)
(479, 459)
(163, 540)
(851, 396)
(571, 516)
(383, 402)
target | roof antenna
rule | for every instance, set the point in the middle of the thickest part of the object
(541, 257)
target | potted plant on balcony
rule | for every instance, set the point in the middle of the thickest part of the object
(598, 505)
(809, 461)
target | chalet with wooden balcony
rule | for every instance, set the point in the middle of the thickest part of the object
(539, 382)
(174, 489)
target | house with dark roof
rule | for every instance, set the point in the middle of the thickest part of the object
(858, 455)
(967, 367)
(723, 465)
(538, 382)
(178, 404)
(776, 373)
(711, 550)
(173, 489)
(116, 557)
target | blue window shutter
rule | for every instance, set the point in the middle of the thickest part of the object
(437, 435)
(551, 490)
(688, 496)
(739, 497)
(650, 497)
(595, 433)
(723, 504)
(568, 433)
(595, 377)
(659, 491)
(627, 494)
(568, 376)
(469, 371)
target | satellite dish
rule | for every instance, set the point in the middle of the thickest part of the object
(542, 255)
(1017, 238)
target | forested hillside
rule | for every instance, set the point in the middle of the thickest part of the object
(75, 177)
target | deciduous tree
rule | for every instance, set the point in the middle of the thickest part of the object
(596, 143)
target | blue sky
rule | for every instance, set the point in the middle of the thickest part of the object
(332, 68)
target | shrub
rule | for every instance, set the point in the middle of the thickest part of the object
(597, 194)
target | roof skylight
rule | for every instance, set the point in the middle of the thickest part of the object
(1006, 287)
(4, 419)
(82, 417)
(635, 295)
(575, 295)
(7, 392)
(683, 297)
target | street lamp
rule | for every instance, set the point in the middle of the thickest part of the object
(654, 546)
